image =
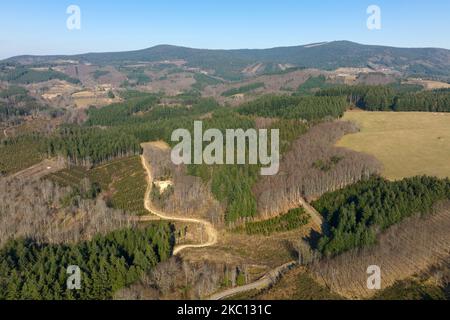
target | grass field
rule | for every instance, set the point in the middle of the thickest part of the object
(408, 144)
(123, 179)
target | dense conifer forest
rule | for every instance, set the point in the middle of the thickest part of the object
(24, 75)
(390, 98)
(293, 107)
(356, 214)
(108, 263)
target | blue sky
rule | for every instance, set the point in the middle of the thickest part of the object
(39, 27)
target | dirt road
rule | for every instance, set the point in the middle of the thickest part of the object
(5, 130)
(207, 226)
(39, 170)
(265, 282)
(316, 217)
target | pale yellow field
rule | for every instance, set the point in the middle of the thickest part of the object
(429, 84)
(408, 144)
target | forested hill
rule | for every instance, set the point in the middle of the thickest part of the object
(231, 63)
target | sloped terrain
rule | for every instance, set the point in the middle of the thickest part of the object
(402, 251)
(233, 64)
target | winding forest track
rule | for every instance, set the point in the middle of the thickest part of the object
(265, 282)
(316, 217)
(207, 226)
(5, 131)
(39, 170)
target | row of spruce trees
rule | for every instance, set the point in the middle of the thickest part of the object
(357, 213)
(29, 270)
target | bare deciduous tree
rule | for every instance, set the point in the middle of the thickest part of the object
(301, 177)
(35, 209)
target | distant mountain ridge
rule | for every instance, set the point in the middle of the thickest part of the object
(230, 64)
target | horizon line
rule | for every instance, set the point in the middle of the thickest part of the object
(218, 49)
